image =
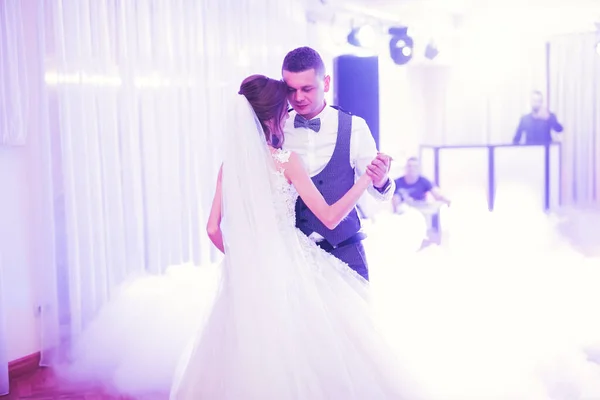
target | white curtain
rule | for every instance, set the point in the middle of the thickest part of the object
(13, 129)
(13, 77)
(575, 97)
(134, 97)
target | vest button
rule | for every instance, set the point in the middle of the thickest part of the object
(304, 208)
(303, 220)
(320, 182)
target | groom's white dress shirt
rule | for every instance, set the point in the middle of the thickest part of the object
(316, 148)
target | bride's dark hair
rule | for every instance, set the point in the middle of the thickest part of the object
(268, 98)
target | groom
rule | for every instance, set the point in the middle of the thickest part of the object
(335, 147)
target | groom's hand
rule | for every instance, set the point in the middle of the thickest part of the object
(378, 170)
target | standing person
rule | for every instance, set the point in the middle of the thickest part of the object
(537, 126)
(335, 148)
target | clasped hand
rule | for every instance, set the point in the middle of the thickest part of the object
(378, 169)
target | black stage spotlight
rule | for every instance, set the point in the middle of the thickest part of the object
(401, 45)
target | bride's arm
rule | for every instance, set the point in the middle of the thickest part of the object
(329, 215)
(214, 220)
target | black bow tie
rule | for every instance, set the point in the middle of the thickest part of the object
(301, 122)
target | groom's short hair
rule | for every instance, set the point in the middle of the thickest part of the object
(302, 59)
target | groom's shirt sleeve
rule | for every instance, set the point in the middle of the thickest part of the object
(362, 151)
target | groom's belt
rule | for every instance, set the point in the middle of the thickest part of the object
(357, 237)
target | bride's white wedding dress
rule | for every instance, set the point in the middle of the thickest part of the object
(311, 335)
(301, 326)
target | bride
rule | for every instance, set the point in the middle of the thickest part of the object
(290, 321)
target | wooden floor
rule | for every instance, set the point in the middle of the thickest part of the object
(43, 385)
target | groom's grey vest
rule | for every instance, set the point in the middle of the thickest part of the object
(333, 182)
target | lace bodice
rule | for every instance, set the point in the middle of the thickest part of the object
(286, 195)
(285, 210)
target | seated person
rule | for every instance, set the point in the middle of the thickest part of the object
(414, 189)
